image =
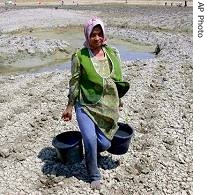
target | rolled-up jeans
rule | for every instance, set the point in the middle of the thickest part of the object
(94, 141)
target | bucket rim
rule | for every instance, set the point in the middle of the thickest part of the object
(55, 140)
(65, 132)
(124, 137)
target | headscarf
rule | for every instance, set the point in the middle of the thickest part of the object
(88, 29)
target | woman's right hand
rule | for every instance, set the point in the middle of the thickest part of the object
(67, 114)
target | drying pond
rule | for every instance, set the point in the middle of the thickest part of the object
(60, 58)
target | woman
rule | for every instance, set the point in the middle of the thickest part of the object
(96, 75)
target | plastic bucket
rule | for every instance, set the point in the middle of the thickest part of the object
(69, 147)
(121, 140)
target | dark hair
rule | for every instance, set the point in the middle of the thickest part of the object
(98, 25)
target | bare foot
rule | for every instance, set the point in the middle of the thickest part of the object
(95, 185)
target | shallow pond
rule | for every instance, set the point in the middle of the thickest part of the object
(74, 35)
(125, 53)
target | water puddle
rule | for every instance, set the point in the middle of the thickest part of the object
(125, 52)
(74, 35)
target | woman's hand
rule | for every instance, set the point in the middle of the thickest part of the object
(67, 114)
(120, 108)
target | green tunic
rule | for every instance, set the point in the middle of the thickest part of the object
(105, 112)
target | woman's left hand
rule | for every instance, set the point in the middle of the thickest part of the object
(120, 108)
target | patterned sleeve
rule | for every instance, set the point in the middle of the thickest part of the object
(117, 53)
(119, 57)
(74, 81)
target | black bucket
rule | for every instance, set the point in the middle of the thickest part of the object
(121, 140)
(69, 147)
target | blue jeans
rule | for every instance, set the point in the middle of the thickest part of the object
(94, 142)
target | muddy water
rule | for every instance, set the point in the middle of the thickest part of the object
(74, 35)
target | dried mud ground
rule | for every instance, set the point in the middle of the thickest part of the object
(158, 106)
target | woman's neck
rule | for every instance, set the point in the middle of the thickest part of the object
(98, 52)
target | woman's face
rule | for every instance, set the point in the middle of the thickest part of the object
(96, 37)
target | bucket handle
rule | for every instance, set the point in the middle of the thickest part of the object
(125, 118)
(58, 123)
(54, 131)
